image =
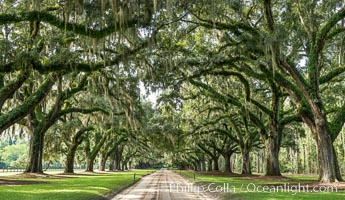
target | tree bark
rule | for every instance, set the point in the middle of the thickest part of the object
(35, 153)
(227, 158)
(92, 154)
(69, 166)
(202, 162)
(215, 163)
(233, 162)
(112, 162)
(124, 166)
(336, 166)
(130, 164)
(274, 136)
(89, 163)
(118, 157)
(246, 168)
(272, 167)
(103, 161)
(209, 165)
(325, 152)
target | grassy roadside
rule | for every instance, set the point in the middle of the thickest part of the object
(241, 187)
(71, 187)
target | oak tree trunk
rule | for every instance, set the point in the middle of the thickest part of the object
(202, 163)
(274, 136)
(69, 166)
(272, 167)
(89, 164)
(326, 157)
(336, 167)
(35, 153)
(118, 159)
(246, 168)
(215, 163)
(325, 152)
(103, 161)
(112, 162)
(227, 158)
(209, 165)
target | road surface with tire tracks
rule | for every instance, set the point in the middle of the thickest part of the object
(163, 185)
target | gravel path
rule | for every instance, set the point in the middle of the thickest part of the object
(162, 185)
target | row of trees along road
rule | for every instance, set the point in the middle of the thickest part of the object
(69, 78)
(240, 75)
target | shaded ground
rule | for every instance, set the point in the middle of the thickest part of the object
(271, 178)
(20, 182)
(219, 173)
(16, 179)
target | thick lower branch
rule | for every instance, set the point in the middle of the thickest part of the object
(80, 29)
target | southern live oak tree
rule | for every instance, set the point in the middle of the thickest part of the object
(72, 147)
(44, 116)
(56, 38)
(49, 40)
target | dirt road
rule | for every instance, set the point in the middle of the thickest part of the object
(163, 185)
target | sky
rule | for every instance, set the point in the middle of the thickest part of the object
(151, 96)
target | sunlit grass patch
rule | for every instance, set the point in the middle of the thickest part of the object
(256, 187)
(93, 186)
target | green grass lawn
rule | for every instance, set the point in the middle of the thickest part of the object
(81, 187)
(236, 187)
